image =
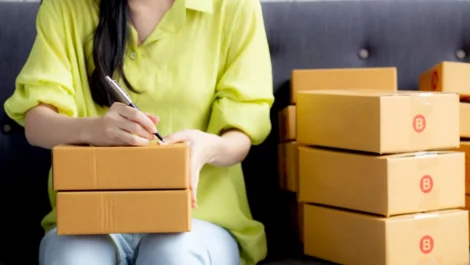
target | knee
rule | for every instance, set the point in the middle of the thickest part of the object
(171, 249)
(77, 250)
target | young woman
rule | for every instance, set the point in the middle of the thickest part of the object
(202, 66)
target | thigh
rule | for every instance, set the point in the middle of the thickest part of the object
(77, 250)
(207, 244)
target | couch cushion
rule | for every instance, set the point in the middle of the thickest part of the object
(23, 169)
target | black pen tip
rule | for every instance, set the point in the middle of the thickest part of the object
(159, 137)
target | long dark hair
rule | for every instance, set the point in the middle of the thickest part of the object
(109, 47)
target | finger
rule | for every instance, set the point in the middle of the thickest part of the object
(191, 187)
(129, 139)
(139, 117)
(194, 191)
(178, 137)
(153, 118)
(195, 169)
(134, 128)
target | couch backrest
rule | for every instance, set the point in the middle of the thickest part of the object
(23, 169)
(412, 35)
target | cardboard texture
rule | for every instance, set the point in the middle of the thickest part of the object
(289, 159)
(154, 166)
(358, 239)
(383, 78)
(286, 122)
(377, 121)
(99, 212)
(447, 77)
(383, 185)
(465, 120)
(465, 147)
(467, 207)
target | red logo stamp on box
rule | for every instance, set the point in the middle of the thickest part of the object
(419, 123)
(426, 184)
(426, 244)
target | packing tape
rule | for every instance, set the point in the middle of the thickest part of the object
(421, 111)
(432, 260)
(426, 221)
(425, 236)
(429, 183)
(107, 212)
(94, 153)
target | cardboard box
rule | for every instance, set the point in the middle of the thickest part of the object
(295, 217)
(465, 120)
(377, 121)
(300, 216)
(383, 185)
(290, 161)
(286, 121)
(465, 147)
(467, 207)
(447, 77)
(120, 168)
(281, 162)
(358, 239)
(96, 212)
(381, 78)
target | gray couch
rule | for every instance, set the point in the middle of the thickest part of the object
(412, 35)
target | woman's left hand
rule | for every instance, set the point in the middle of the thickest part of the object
(203, 149)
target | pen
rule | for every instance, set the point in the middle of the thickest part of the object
(123, 97)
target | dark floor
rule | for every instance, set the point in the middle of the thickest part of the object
(299, 261)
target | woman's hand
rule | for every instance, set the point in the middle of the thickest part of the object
(123, 125)
(203, 150)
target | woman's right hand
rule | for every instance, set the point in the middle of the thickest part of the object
(123, 125)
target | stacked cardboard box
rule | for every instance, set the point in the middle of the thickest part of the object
(378, 187)
(105, 190)
(384, 78)
(454, 77)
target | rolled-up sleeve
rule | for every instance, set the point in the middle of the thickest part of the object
(244, 92)
(46, 77)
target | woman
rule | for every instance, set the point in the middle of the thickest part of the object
(202, 66)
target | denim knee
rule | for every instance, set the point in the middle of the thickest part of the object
(77, 250)
(171, 249)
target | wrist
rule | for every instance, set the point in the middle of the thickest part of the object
(217, 149)
(85, 129)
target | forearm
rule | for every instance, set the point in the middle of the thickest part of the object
(46, 128)
(232, 148)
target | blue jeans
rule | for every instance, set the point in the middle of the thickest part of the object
(207, 244)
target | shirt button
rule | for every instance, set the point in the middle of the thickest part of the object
(133, 55)
(363, 54)
(6, 128)
(461, 54)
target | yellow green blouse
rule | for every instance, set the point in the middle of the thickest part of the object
(206, 66)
